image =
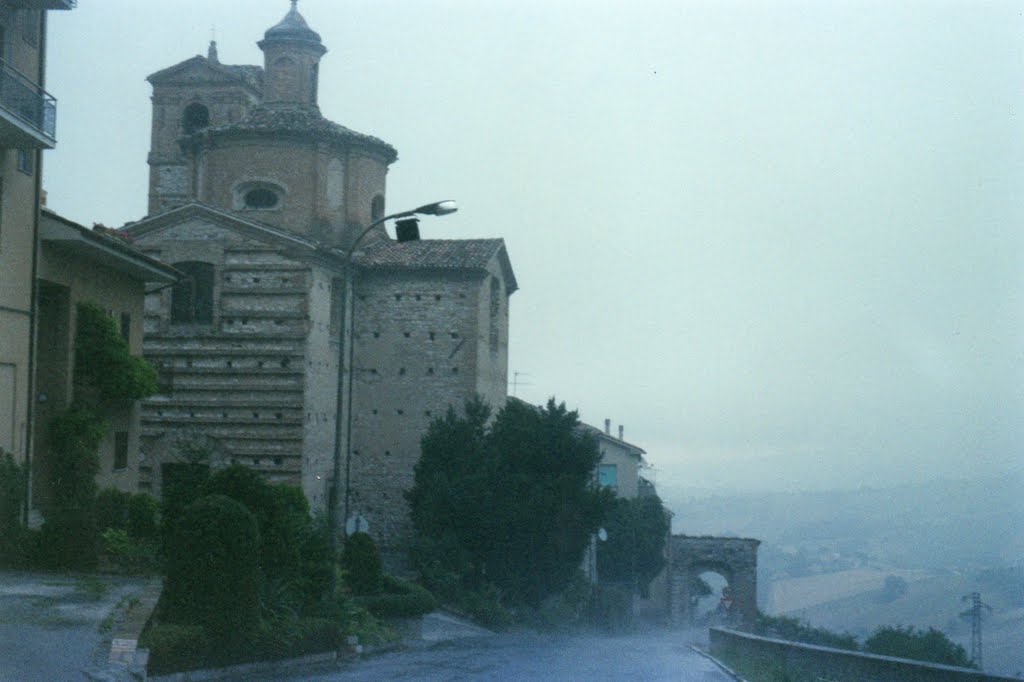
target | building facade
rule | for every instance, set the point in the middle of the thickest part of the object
(27, 127)
(260, 199)
(80, 265)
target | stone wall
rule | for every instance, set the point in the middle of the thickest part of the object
(242, 379)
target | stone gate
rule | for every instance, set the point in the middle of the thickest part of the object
(735, 559)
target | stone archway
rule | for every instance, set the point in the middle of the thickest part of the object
(735, 559)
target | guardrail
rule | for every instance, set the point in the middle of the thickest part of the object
(808, 661)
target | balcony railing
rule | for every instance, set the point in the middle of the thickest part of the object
(27, 104)
(44, 4)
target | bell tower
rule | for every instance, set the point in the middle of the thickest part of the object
(291, 62)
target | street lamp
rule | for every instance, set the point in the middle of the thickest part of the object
(345, 365)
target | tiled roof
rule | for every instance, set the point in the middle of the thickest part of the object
(444, 254)
(303, 120)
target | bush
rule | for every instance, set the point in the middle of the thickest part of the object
(69, 532)
(907, 642)
(143, 516)
(399, 599)
(611, 608)
(12, 497)
(362, 561)
(175, 647)
(213, 575)
(282, 515)
(484, 606)
(793, 630)
(112, 509)
(125, 554)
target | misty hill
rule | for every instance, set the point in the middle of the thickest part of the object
(974, 523)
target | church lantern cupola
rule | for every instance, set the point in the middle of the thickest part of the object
(291, 58)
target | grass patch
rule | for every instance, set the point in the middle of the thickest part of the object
(92, 588)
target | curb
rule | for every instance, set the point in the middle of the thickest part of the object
(722, 666)
(243, 670)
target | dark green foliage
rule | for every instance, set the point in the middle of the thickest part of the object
(143, 516)
(213, 575)
(399, 599)
(634, 553)
(12, 497)
(174, 647)
(785, 627)
(318, 565)
(104, 364)
(511, 503)
(70, 533)
(112, 509)
(282, 515)
(361, 560)
(611, 608)
(908, 642)
(122, 553)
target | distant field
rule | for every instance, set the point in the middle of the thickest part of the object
(851, 601)
(795, 594)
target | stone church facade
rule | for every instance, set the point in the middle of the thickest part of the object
(258, 198)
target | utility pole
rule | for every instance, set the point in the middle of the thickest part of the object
(974, 613)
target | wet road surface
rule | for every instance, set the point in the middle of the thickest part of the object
(652, 656)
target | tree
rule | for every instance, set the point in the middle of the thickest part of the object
(908, 642)
(511, 503)
(634, 552)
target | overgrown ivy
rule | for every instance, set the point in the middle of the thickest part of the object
(104, 364)
(106, 377)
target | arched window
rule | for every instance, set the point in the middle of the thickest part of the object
(192, 296)
(195, 118)
(258, 196)
(377, 208)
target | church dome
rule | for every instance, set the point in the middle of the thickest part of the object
(292, 27)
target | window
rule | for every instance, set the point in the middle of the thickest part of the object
(192, 297)
(261, 198)
(377, 208)
(126, 326)
(195, 118)
(608, 475)
(120, 450)
(258, 196)
(26, 161)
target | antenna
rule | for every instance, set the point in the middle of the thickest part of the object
(516, 383)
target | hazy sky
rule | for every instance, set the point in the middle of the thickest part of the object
(781, 242)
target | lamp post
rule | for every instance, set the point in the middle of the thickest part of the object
(343, 445)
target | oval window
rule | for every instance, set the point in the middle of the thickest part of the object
(260, 198)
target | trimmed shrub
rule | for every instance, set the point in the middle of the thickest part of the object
(282, 514)
(175, 647)
(143, 516)
(213, 575)
(399, 599)
(112, 509)
(362, 561)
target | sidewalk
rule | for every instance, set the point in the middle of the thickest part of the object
(58, 627)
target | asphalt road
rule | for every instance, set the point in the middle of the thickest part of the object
(52, 626)
(651, 656)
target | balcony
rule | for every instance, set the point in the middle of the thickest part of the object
(43, 4)
(28, 114)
